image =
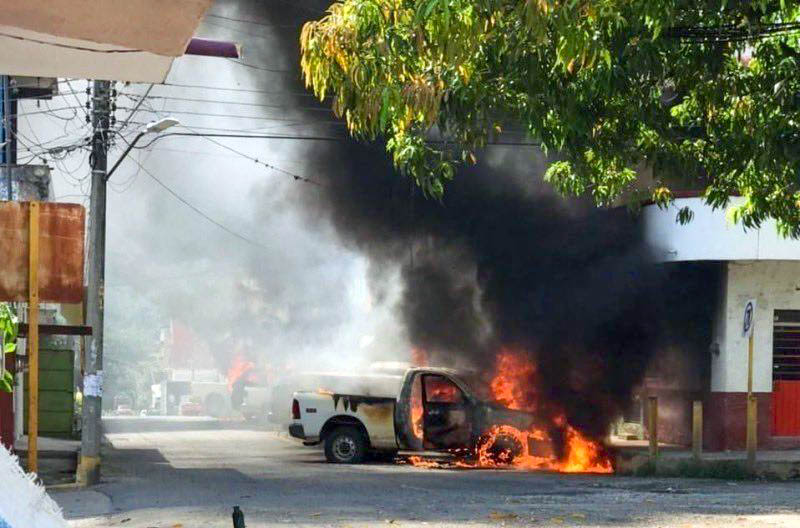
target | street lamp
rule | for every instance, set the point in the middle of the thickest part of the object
(152, 127)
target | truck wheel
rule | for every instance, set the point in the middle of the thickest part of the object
(501, 449)
(345, 445)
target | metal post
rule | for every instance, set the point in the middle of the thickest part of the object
(652, 425)
(33, 338)
(697, 429)
(89, 466)
(752, 409)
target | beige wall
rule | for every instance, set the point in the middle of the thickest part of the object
(775, 286)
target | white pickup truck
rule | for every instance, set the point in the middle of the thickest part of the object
(426, 409)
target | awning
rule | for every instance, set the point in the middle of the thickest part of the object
(110, 40)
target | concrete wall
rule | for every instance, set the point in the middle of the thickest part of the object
(776, 286)
(710, 236)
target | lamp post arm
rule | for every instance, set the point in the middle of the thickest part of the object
(122, 157)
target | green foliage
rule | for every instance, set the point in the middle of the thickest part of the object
(8, 327)
(605, 83)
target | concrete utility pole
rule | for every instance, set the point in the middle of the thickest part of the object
(7, 138)
(89, 466)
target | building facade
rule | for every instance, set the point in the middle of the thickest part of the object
(753, 264)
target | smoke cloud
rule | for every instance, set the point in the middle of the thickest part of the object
(361, 267)
(503, 262)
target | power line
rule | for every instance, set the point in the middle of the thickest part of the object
(316, 138)
(196, 209)
(262, 68)
(249, 33)
(230, 89)
(295, 176)
(135, 108)
(730, 32)
(44, 96)
(217, 101)
(240, 136)
(49, 111)
(253, 22)
(262, 128)
(234, 116)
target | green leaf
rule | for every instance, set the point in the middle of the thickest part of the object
(7, 382)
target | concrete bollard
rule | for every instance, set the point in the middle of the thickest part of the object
(697, 429)
(652, 425)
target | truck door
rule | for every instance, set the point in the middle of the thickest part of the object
(447, 416)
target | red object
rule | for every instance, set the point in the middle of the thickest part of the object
(213, 48)
(7, 419)
(725, 420)
(295, 410)
(786, 408)
(7, 411)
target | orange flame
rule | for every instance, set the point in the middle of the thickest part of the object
(239, 367)
(512, 376)
(419, 358)
(514, 385)
(416, 409)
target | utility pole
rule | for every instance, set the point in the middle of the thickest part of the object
(89, 466)
(7, 138)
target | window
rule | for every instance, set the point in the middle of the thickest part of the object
(786, 345)
(439, 389)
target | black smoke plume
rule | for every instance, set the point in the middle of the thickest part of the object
(502, 261)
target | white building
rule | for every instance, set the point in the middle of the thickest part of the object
(754, 264)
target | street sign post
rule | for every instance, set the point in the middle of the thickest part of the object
(748, 324)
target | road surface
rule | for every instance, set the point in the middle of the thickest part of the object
(189, 474)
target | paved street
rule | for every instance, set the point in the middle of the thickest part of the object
(166, 474)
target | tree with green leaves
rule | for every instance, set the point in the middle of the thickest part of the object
(8, 329)
(704, 94)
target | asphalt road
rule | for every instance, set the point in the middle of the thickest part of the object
(186, 474)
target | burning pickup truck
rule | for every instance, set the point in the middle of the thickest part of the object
(426, 409)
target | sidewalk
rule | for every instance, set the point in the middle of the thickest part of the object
(58, 459)
(631, 456)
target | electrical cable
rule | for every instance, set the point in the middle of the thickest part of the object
(40, 97)
(239, 136)
(197, 210)
(295, 176)
(230, 89)
(135, 108)
(261, 68)
(231, 116)
(217, 101)
(248, 33)
(255, 23)
(261, 129)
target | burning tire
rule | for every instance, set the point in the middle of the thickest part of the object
(498, 450)
(345, 445)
